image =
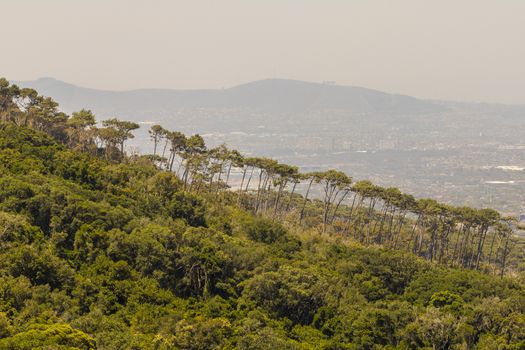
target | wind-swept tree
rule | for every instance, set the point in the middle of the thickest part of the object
(108, 139)
(311, 177)
(332, 183)
(248, 163)
(9, 109)
(267, 168)
(295, 180)
(177, 141)
(506, 233)
(156, 134)
(217, 157)
(45, 116)
(285, 174)
(121, 131)
(363, 189)
(81, 129)
(193, 157)
(235, 160)
(406, 204)
(487, 219)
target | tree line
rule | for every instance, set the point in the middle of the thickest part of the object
(478, 239)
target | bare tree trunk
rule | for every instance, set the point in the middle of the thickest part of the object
(455, 253)
(172, 161)
(371, 207)
(240, 187)
(281, 186)
(464, 248)
(259, 190)
(505, 254)
(305, 200)
(185, 177)
(444, 244)
(219, 179)
(328, 201)
(398, 231)
(481, 244)
(391, 225)
(413, 236)
(338, 204)
(249, 179)
(228, 174)
(379, 237)
(291, 196)
(266, 195)
(164, 150)
(491, 247)
(347, 227)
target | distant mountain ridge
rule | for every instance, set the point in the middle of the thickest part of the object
(270, 95)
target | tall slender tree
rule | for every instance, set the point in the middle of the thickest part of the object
(156, 134)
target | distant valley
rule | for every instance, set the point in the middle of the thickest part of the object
(460, 153)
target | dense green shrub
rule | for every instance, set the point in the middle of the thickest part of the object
(122, 256)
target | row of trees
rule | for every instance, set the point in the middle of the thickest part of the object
(24, 107)
(459, 236)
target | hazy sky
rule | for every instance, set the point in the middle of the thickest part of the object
(445, 49)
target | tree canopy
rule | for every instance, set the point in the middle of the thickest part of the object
(100, 249)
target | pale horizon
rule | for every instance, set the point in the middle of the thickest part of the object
(442, 50)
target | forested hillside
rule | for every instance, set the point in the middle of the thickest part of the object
(100, 249)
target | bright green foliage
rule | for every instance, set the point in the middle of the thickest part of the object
(447, 301)
(95, 254)
(188, 207)
(57, 336)
(266, 231)
(291, 292)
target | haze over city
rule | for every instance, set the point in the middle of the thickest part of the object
(469, 50)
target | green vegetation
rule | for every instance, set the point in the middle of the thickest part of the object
(99, 249)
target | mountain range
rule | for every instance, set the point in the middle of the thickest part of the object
(270, 95)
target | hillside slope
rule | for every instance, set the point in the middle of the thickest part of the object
(119, 256)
